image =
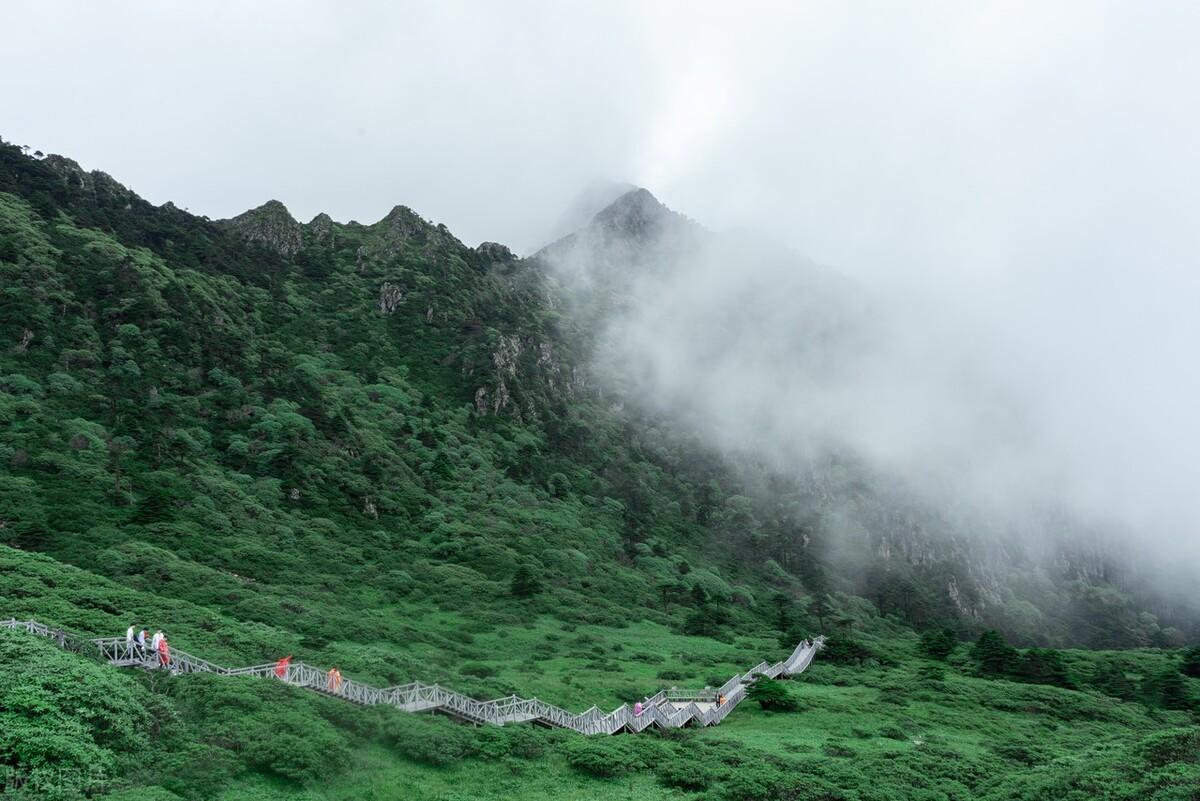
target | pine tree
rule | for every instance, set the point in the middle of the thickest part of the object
(939, 644)
(1172, 692)
(995, 656)
(525, 583)
(1191, 663)
(1043, 666)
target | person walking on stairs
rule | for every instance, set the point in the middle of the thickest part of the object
(334, 682)
(129, 634)
(141, 642)
(281, 667)
(164, 650)
(637, 709)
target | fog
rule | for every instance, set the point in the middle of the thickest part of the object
(1010, 191)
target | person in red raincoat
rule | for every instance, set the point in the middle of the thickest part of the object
(281, 667)
(335, 680)
(164, 652)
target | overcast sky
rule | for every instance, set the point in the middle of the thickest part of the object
(1030, 170)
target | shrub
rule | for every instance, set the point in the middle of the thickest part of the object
(938, 644)
(434, 742)
(838, 750)
(478, 670)
(609, 757)
(1173, 745)
(772, 696)
(686, 773)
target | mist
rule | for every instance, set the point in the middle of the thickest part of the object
(769, 356)
(995, 204)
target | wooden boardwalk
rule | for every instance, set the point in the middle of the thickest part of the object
(666, 709)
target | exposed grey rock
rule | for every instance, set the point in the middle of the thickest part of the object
(320, 229)
(390, 297)
(495, 252)
(270, 224)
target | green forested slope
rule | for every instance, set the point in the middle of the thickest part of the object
(373, 446)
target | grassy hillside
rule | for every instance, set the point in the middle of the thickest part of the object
(376, 447)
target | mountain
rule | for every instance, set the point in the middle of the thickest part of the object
(372, 446)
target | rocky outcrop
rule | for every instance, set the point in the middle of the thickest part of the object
(320, 229)
(99, 185)
(495, 253)
(390, 297)
(271, 225)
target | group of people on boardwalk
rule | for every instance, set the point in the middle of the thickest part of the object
(333, 679)
(136, 639)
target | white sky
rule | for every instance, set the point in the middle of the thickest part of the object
(1028, 168)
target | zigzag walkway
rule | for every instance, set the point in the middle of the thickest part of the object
(666, 709)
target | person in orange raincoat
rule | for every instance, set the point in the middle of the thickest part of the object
(335, 680)
(164, 652)
(281, 667)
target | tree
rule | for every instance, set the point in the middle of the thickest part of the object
(785, 610)
(995, 656)
(772, 695)
(1191, 663)
(23, 518)
(1173, 692)
(117, 448)
(1043, 666)
(706, 621)
(1112, 681)
(821, 607)
(525, 583)
(938, 644)
(845, 650)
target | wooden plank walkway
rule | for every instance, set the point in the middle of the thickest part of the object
(666, 709)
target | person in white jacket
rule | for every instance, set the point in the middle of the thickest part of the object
(155, 640)
(129, 634)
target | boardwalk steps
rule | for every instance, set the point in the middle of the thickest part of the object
(666, 709)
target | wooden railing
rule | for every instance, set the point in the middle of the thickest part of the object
(667, 709)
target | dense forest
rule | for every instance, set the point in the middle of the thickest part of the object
(376, 447)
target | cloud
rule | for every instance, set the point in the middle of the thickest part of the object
(1015, 185)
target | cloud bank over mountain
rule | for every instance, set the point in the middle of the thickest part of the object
(1014, 187)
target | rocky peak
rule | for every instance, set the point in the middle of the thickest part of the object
(94, 183)
(636, 214)
(495, 253)
(320, 228)
(404, 222)
(401, 226)
(272, 225)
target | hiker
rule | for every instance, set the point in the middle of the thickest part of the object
(281, 667)
(164, 651)
(141, 640)
(720, 700)
(334, 683)
(637, 709)
(156, 639)
(129, 634)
